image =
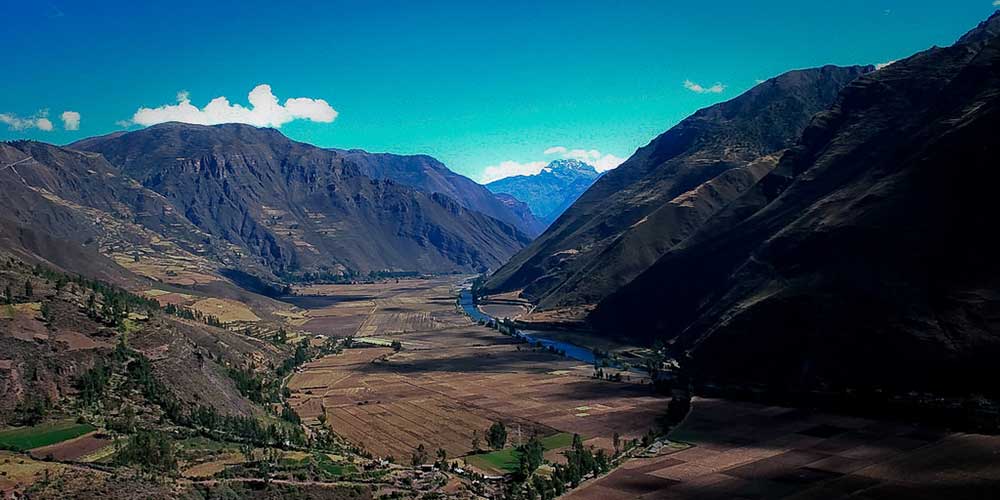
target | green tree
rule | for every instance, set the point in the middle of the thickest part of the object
(46, 311)
(8, 295)
(150, 450)
(419, 456)
(496, 436)
(29, 292)
(530, 456)
(476, 441)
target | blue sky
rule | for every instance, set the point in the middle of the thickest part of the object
(474, 84)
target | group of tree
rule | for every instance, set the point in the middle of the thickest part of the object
(149, 450)
(581, 462)
(496, 436)
(193, 315)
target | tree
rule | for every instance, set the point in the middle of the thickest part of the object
(496, 436)
(8, 295)
(442, 456)
(475, 441)
(46, 311)
(530, 456)
(29, 292)
(419, 456)
(616, 440)
(151, 450)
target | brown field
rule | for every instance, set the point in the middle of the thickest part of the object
(454, 378)
(73, 449)
(743, 450)
(228, 311)
(20, 471)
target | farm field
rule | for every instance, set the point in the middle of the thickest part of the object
(453, 378)
(743, 450)
(26, 438)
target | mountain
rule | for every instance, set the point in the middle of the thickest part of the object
(550, 192)
(242, 198)
(866, 257)
(431, 176)
(634, 214)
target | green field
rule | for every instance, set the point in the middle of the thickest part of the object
(26, 438)
(506, 459)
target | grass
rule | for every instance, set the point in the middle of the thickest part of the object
(506, 459)
(27, 438)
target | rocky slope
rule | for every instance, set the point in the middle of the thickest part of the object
(550, 192)
(295, 209)
(431, 176)
(865, 258)
(634, 214)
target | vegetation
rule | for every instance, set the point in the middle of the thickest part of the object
(496, 436)
(36, 436)
(149, 450)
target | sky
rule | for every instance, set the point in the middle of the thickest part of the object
(491, 88)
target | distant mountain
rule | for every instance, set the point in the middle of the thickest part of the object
(550, 192)
(431, 176)
(866, 258)
(634, 214)
(238, 197)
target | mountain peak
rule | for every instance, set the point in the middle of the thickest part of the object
(570, 166)
(988, 29)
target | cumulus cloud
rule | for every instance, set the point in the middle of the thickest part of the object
(510, 168)
(698, 89)
(39, 121)
(71, 120)
(265, 111)
(561, 150)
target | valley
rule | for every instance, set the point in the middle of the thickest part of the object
(451, 379)
(789, 290)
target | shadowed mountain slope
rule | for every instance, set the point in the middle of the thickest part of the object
(865, 258)
(665, 191)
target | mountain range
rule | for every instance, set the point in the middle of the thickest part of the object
(635, 213)
(829, 229)
(236, 198)
(550, 192)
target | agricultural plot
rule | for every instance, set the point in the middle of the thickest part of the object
(453, 379)
(742, 450)
(26, 438)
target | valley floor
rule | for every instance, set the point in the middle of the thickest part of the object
(745, 450)
(453, 379)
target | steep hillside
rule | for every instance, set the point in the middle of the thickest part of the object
(300, 210)
(550, 192)
(431, 176)
(665, 191)
(865, 258)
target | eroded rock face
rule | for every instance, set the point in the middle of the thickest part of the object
(864, 258)
(634, 214)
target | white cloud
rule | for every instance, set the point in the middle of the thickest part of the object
(71, 120)
(264, 111)
(39, 121)
(697, 88)
(561, 150)
(996, 3)
(601, 162)
(510, 168)
(882, 65)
